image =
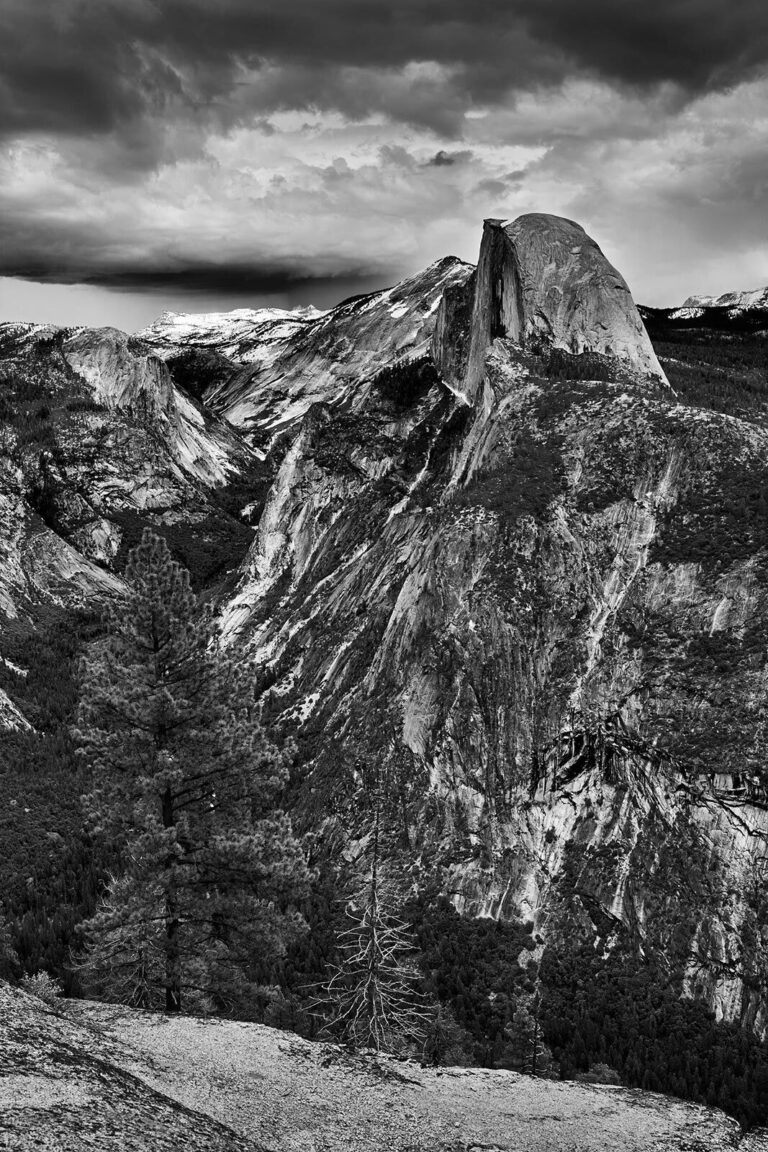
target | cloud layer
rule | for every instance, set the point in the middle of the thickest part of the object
(252, 148)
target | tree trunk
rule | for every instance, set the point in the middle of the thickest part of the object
(172, 974)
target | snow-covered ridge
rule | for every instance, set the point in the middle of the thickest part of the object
(231, 333)
(282, 361)
(735, 302)
(259, 336)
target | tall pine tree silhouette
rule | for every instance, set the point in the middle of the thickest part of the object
(186, 785)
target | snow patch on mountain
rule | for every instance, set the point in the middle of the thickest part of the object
(283, 362)
(735, 302)
(242, 334)
(686, 313)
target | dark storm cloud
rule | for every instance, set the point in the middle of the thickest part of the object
(149, 150)
(75, 66)
(31, 249)
(444, 159)
(248, 280)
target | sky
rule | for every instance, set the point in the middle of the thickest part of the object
(201, 155)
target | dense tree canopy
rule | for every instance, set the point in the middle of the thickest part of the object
(186, 785)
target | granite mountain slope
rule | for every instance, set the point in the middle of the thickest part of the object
(280, 363)
(97, 441)
(494, 547)
(547, 575)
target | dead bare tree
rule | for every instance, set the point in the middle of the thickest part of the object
(371, 998)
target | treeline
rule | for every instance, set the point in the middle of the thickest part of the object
(723, 367)
(629, 1013)
(50, 870)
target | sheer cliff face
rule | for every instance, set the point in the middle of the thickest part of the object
(542, 281)
(511, 577)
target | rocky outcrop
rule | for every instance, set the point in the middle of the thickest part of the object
(95, 441)
(542, 280)
(133, 379)
(10, 716)
(120, 378)
(97, 1076)
(36, 564)
(66, 1087)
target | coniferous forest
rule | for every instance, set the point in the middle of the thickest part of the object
(130, 879)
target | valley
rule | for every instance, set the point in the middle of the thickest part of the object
(494, 530)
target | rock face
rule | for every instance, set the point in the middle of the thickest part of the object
(66, 1087)
(95, 441)
(118, 377)
(110, 1078)
(497, 549)
(137, 382)
(542, 280)
(522, 566)
(283, 362)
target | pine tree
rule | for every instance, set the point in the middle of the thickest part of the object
(446, 1042)
(9, 961)
(124, 952)
(186, 785)
(372, 993)
(525, 1035)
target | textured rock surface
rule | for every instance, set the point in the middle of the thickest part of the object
(64, 1088)
(96, 440)
(135, 380)
(106, 1078)
(289, 362)
(542, 279)
(538, 589)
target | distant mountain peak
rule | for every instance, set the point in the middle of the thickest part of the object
(734, 302)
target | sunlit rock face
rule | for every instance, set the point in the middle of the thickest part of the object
(96, 441)
(511, 568)
(119, 378)
(542, 280)
(283, 362)
(134, 380)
